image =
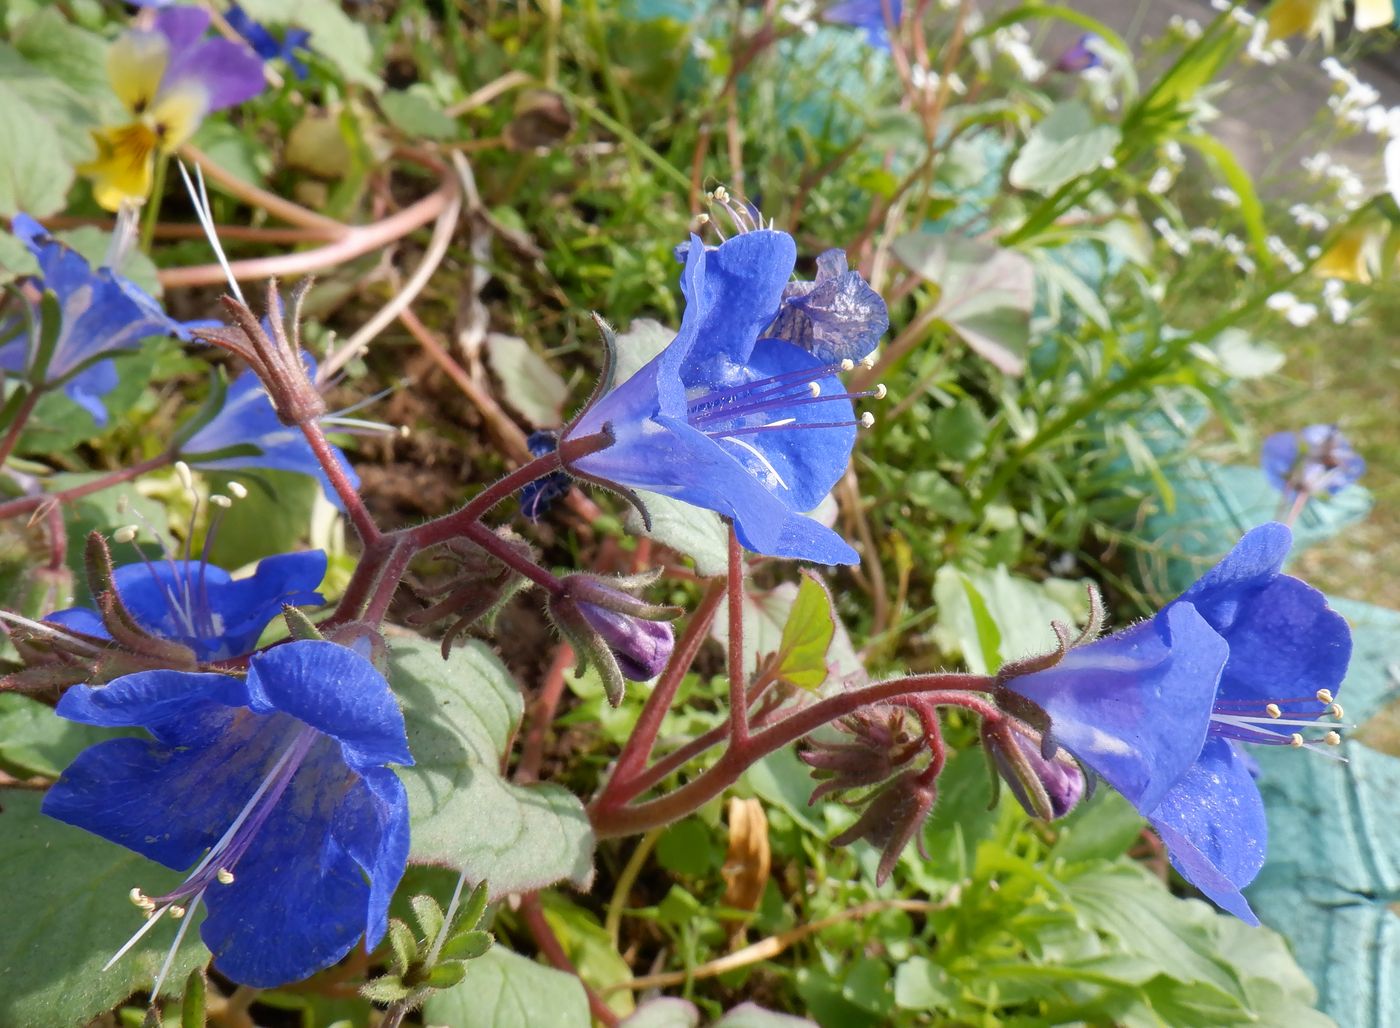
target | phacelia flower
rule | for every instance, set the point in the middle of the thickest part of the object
(540, 495)
(868, 15)
(611, 627)
(757, 429)
(247, 433)
(203, 606)
(266, 44)
(1314, 461)
(1082, 56)
(102, 314)
(1247, 654)
(168, 78)
(273, 789)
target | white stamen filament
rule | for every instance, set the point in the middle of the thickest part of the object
(50, 631)
(205, 213)
(766, 463)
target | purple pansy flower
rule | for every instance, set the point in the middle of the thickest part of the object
(168, 78)
(1314, 461)
(757, 429)
(868, 15)
(837, 317)
(1247, 654)
(203, 606)
(102, 313)
(274, 789)
(1082, 56)
(247, 419)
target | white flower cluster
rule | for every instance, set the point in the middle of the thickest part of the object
(1357, 104)
(1309, 217)
(1295, 311)
(1284, 253)
(1350, 189)
(1334, 296)
(1014, 41)
(1188, 29)
(929, 81)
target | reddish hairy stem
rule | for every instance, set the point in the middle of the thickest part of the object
(355, 507)
(611, 818)
(637, 750)
(533, 915)
(25, 504)
(738, 691)
(489, 541)
(26, 408)
(454, 524)
(387, 583)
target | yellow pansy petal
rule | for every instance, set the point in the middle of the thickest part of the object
(1351, 257)
(177, 113)
(1374, 14)
(123, 167)
(136, 61)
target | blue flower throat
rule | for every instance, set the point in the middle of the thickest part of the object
(220, 863)
(727, 412)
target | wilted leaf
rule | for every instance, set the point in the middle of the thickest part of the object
(987, 292)
(528, 383)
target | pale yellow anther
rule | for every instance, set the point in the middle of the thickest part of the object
(702, 219)
(125, 534)
(1336, 711)
(140, 899)
(237, 490)
(225, 876)
(848, 365)
(881, 392)
(867, 420)
(868, 361)
(1295, 740)
(123, 502)
(1274, 710)
(186, 476)
(1332, 739)
(220, 501)
(720, 194)
(1324, 695)
(814, 388)
(177, 911)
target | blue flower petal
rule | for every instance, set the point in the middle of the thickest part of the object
(162, 701)
(731, 294)
(1253, 563)
(337, 692)
(89, 386)
(298, 899)
(169, 802)
(372, 825)
(1213, 823)
(80, 619)
(1285, 645)
(1135, 706)
(806, 462)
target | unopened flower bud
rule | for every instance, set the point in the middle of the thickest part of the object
(624, 636)
(1046, 787)
(893, 817)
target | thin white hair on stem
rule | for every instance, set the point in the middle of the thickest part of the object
(199, 196)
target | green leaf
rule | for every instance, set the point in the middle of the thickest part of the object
(528, 383)
(920, 984)
(192, 1007)
(1019, 609)
(590, 949)
(414, 113)
(693, 532)
(1251, 209)
(66, 913)
(1099, 829)
(263, 522)
(1243, 358)
(1065, 144)
(988, 635)
(462, 713)
(689, 847)
(429, 916)
(506, 990)
(467, 945)
(664, 1012)
(806, 635)
(403, 946)
(34, 741)
(15, 259)
(987, 292)
(34, 176)
(444, 976)
(385, 990)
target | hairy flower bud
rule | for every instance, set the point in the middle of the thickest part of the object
(1046, 788)
(893, 817)
(625, 637)
(880, 744)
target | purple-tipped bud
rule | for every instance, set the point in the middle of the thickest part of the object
(624, 636)
(641, 647)
(1047, 788)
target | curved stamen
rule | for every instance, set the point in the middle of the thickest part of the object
(759, 406)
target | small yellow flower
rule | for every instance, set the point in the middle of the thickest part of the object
(1374, 14)
(1311, 18)
(1355, 256)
